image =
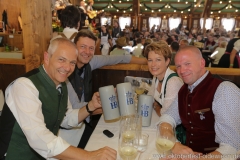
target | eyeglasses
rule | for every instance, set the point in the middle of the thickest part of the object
(84, 47)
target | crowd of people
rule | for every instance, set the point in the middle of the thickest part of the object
(47, 110)
(218, 47)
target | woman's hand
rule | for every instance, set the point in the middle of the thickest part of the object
(157, 108)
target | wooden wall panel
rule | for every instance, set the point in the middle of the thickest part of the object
(8, 73)
(13, 11)
(37, 30)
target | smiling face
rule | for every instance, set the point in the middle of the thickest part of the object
(157, 64)
(190, 65)
(86, 49)
(60, 64)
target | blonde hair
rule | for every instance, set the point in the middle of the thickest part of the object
(160, 48)
(223, 44)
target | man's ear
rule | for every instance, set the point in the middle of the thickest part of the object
(203, 62)
(46, 57)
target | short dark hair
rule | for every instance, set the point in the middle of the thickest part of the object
(85, 33)
(175, 46)
(70, 17)
(139, 40)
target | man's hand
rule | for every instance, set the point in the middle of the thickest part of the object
(183, 152)
(95, 103)
(105, 153)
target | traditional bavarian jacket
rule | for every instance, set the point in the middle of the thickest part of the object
(196, 113)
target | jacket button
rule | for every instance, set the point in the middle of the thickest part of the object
(189, 105)
(191, 134)
(191, 127)
(190, 122)
(188, 113)
(190, 141)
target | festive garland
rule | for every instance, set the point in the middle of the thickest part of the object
(114, 6)
(190, 6)
(156, 9)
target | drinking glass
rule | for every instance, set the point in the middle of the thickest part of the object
(165, 138)
(142, 142)
(127, 144)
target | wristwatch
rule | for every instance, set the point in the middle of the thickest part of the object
(90, 112)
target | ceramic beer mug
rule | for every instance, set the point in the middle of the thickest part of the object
(145, 107)
(109, 103)
(125, 99)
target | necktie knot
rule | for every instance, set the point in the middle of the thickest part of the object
(59, 89)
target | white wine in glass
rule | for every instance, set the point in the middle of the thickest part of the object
(128, 135)
(127, 146)
(139, 90)
(128, 152)
(165, 139)
(164, 145)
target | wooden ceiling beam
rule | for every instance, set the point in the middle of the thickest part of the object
(207, 8)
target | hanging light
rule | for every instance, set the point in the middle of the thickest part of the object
(181, 11)
(178, 0)
(174, 10)
(211, 12)
(152, 10)
(219, 11)
(189, 10)
(117, 10)
(229, 1)
(186, 2)
(220, 2)
(159, 10)
(124, 11)
(140, 5)
(236, 10)
(145, 9)
(130, 9)
(120, 1)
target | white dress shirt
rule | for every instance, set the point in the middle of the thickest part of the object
(23, 101)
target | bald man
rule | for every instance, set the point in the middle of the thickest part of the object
(207, 107)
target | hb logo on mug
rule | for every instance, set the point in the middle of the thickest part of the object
(144, 110)
(113, 102)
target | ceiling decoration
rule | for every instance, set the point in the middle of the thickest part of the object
(168, 6)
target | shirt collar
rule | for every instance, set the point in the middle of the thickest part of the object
(68, 29)
(194, 85)
(60, 85)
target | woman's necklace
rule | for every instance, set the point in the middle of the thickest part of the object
(160, 81)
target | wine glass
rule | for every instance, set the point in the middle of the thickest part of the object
(165, 138)
(127, 144)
